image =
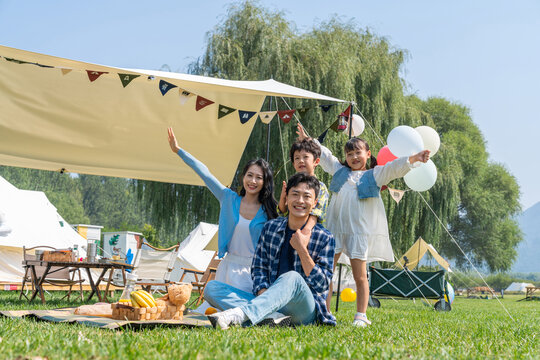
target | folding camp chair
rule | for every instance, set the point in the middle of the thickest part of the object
(57, 276)
(208, 275)
(153, 266)
(409, 284)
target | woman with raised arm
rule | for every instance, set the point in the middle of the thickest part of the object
(241, 216)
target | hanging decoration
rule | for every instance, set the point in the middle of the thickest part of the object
(224, 110)
(267, 116)
(202, 103)
(93, 75)
(126, 78)
(326, 107)
(245, 115)
(165, 86)
(396, 194)
(184, 96)
(286, 115)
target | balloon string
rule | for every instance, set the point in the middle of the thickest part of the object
(466, 257)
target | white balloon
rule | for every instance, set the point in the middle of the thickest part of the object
(422, 178)
(405, 141)
(431, 139)
(358, 125)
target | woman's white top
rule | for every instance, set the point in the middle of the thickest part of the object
(235, 268)
(360, 225)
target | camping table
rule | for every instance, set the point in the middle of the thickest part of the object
(530, 291)
(38, 281)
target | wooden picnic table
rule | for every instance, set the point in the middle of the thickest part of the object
(107, 266)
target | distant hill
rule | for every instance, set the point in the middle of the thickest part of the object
(528, 259)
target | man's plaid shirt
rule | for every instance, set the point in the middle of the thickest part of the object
(265, 265)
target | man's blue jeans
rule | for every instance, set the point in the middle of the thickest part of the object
(289, 294)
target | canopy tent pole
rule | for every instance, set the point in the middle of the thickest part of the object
(341, 265)
(268, 135)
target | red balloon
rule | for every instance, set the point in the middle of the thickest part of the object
(385, 155)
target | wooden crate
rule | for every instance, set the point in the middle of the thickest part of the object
(162, 312)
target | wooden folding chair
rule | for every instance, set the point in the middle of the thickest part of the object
(208, 275)
(154, 265)
(57, 276)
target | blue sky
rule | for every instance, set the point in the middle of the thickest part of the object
(482, 54)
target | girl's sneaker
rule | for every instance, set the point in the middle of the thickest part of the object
(361, 321)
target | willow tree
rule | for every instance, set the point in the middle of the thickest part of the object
(343, 61)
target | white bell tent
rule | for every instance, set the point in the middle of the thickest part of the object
(27, 218)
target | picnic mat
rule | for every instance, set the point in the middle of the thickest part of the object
(66, 316)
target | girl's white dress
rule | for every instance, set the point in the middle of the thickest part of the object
(359, 225)
(235, 268)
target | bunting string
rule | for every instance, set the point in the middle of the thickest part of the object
(126, 79)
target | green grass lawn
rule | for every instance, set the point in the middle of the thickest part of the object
(401, 329)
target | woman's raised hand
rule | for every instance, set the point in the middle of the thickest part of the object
(172, 141)
(301, 132)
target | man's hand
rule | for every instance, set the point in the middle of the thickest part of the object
(300, 240)
(172, 141)
(260, 292)
(282, 204)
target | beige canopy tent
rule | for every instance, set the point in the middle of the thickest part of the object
(87, 118)
(413, 256)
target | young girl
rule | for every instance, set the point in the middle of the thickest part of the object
(356, 215)
(241, 216)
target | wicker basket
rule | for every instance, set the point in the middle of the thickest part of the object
(58, 255)
(163, 312)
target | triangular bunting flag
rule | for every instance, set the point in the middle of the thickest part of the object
(267, 116)
(202, 102)
(334, 126)
(165, 86)
(302, 112)
(126, 78)
(65, 71)
(286, 115)
(397, 195)
(224, 110)
(322, 136)
(184, 96)
(93, 75)
(327, 107)
(347, 112)
(245, 115)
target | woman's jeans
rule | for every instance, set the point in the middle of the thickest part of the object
(289, 294)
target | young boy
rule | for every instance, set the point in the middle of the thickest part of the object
(305, 156)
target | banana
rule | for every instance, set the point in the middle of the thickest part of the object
(134, 301)
(148, 297)
(140, 300)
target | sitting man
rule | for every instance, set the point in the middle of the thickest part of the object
(291, 269)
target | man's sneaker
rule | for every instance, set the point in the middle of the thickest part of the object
(361, 321)
(276, 319)
(224, 319)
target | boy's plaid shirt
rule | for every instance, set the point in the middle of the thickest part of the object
(321, 247)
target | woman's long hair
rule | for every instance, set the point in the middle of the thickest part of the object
(266, 195)
(359, 144)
